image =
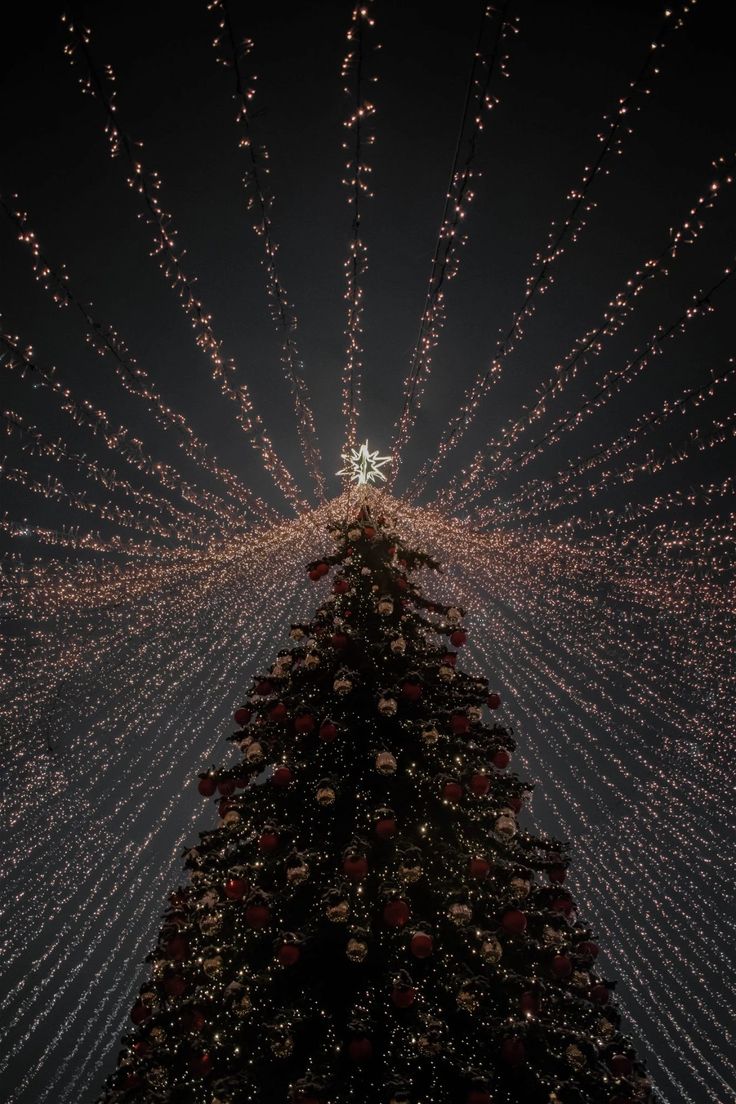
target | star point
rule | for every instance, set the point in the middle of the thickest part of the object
(362, 466)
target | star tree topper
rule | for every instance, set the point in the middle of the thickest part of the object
(364, 466)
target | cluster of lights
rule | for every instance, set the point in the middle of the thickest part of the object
(563, 233)
(357, 181)
(260, 202)
(146, 183)
(488, 60)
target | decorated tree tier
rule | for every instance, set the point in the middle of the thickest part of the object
(368, 921)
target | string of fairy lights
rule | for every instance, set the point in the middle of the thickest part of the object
(600, 597)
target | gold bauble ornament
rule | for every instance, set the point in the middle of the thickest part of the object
(430, 734)
(282, 1046)
(410, 874)
(387, 706)
(254, 753)
(460, 913)
(519, 888)
(553, 937)
(505, 826)
(325, 796)
(298, 874)
(243, 1007)
(339, 912)
(385, 606)
(213, 966)
(468, 1000)
(605, 1028)
(386, 763)
(311, 660)
(575, 1056)
(342, 685)
(398, 646)
(446, 673)
(491, 950)
(231, 818)
(356, 950)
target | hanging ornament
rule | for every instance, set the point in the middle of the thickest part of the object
(387, 705)
(343, 683)
(490, 949)
(356, 949)
(398, 645)
(430, 733)
(505, 825)
(386, 763)
(325, 795)
(460, 913)
(493, 700)
(385, 605)
(297, 869)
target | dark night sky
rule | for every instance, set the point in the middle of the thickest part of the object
(570, 62)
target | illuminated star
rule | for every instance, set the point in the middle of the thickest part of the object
(364, 466)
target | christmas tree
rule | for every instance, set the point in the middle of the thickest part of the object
(368, 922)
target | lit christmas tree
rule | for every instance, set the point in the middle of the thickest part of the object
(368, 922)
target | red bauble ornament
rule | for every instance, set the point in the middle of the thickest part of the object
(268, 841)
(493, 700)
(289, 954)
(621, 1065)
(513, 1051)
(264, 688)
(305, 722)
(421, 945)
(200, 1065)
(369, 532)
(529, 1004)
(282, 777)
(328, 731)
(236, 888)
(565, 905)
(132, 1081)
(193, 1019)
(449, 659)
(501, 759)
(355, 866)
(386, 828)
(412, 691)
(397, 913)
(257, 916)
(479, 1096)
(242, 716)
(588, 948)
(339, 640)
(176, 948)
(556, 874)
(226, 786)
(315, 575)
(459, 724)
(480, 784)
(452, 792)
(513, 921)
(340, 586)
(561, 966)
(458, 638)
(175, 985)
(403, 996)
(600, 993)
(139, 1013)
(277, 712)
(360, 1049)
(207, 785)
(479, 867)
